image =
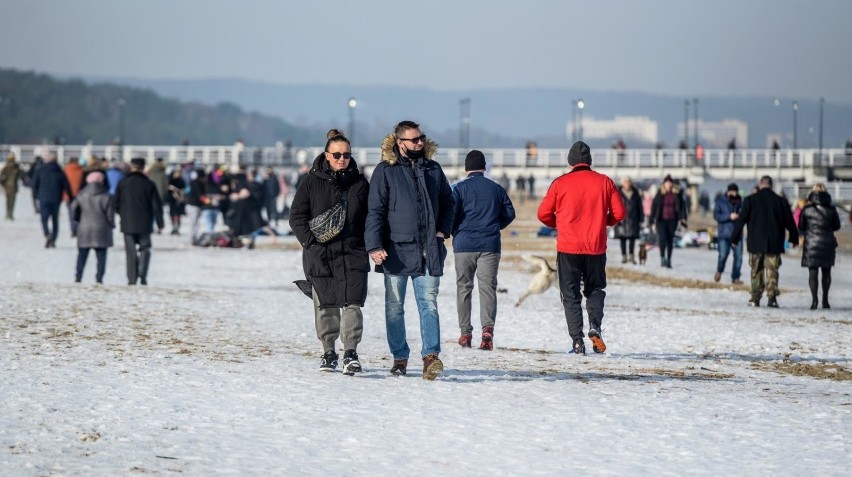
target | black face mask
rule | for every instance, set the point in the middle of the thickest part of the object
(416, 155)
(733, 199)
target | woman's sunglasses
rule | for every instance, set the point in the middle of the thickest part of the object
(338, 155)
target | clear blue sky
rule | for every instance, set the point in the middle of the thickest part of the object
(787, 48)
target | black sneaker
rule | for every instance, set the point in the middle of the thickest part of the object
(579, 347)
(328, 361)
(351, 365)
(598, 345)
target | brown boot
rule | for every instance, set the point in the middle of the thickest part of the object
(400, 367)
(432, 367)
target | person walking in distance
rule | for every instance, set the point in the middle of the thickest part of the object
(10, 178)
(667, 211)
(627, 231)
(94, 212)
(817, 224)
(49, 185)
(580, 205)
(137, 202)
(726, 211)
(767, 215)
(411, 209)
(336, 269)
(482, 210)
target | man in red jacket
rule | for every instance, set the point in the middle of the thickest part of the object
(580, 205)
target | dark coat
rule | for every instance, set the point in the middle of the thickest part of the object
(245, 213)
(633, 218)
(338, 268)
(49, 183)
(400, 221)
(817, 224)
(767, 215)
(657, 207)
(722, 213)
(138, 204)
(271, 190)
(483, 209)
(97, 216)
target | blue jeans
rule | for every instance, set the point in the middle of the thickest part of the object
(426, 295)
(725, 249)
(210, 216)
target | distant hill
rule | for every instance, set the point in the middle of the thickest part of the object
(501, 117)
(42, 108)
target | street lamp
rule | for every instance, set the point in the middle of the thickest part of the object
(686, 124)
(352, 103)
(795, 125)
(821, 107)
(121, 103)
(464, 123)
(4, 102)
(580, 105)
(695, 111)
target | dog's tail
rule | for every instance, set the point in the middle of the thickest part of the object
(540, 262)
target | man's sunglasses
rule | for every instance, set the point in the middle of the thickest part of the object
(415, 140)
(338, 155)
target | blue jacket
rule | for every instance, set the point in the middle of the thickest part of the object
(722, 213)
(49, 183)
(400, 221)
(483, 209)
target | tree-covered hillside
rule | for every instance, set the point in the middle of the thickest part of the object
(36, 108)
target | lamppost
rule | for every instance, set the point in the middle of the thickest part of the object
(4, 102)
(695, 111)
(580, 105)
(464, 123)
(686, 124)
(795, 125)
(121, 103)
(352, 103)
(821, 107)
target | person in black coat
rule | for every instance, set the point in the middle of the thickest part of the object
(138, 204)
(336, 269)
(668, 210)
(817, 224)
(49, 183)
(627, 231)
(271, 191)
(767, 216)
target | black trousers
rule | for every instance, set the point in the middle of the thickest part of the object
(665, 235)
(624, 245)
(590, 270)
(49, 214)
(137, 249)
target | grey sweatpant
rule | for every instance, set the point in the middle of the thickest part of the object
(330, 324)
(484, 265)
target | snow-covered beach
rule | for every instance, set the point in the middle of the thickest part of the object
(212, 370)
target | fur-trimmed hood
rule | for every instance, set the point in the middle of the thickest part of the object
(390, 154)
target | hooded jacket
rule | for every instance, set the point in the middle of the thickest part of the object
(49, 183)
(817, 224)
(337, 269)
(580, 205)
(722, 213)
(12, 175)
(410, 201)
(94, 207)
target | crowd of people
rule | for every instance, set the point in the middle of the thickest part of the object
(400, 220)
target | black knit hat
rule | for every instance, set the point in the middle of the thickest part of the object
(579, 152)
(138, 162)
(733, 186)
(475, 161)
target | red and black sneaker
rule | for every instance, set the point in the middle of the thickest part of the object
(465, 340)
(598, 345)
(487, 338)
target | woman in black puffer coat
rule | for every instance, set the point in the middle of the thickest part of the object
(817, 224)
(337, 270)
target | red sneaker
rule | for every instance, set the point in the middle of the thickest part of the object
(487, 338)
(464, 341)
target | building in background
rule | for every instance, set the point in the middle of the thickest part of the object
(634, 130)
(717, 134)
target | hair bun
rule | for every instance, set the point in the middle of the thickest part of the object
(334, 133)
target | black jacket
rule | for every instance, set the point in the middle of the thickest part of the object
(657, 207)
(338, 268)
(767, 215)
(633, 218)
(138, 204)
(49, 182)
(817, 224)
(409, 203)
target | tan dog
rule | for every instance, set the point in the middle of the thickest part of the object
(544, 278)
